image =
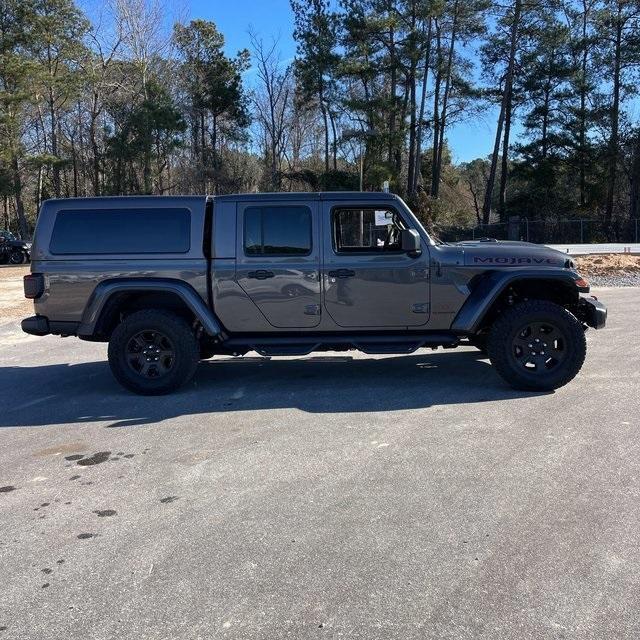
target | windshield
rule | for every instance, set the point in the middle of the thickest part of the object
(419, 226)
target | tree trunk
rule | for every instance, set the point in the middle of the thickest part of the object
(436, 110)
(17, 189)
(423, 99)
(412, 131)
(334, 141)
(5, 210)
(323, 109)
(445, 98)
(95, 178)
(615, 123)
(582, 134)
(54, 144)
(392, 98)
(504, 167)
(203, 152)
(506, 97)
(214, 149)
(476, 203)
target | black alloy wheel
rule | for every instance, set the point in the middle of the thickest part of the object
(150, 354)
(153, 351)
(539, 347)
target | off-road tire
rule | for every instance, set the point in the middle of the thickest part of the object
(180, 337)
(17, 257)
(206, 351)
(479, 341)
(506, 332)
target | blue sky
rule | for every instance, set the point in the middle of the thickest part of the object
(273, 18)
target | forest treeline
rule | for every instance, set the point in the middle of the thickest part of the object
(126, 103)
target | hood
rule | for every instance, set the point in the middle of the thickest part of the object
(19, 244)
(503, 253)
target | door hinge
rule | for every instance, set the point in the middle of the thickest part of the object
(312, 310)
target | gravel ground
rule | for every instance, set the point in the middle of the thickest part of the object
(13, 304)
(613, 270)
(616, 280)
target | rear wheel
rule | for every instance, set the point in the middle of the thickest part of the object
(537, 345)
(153, 352)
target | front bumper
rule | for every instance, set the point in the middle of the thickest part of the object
(592, 312)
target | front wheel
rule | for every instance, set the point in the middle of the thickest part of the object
(17, 257)
(153, 352)
(537, 346)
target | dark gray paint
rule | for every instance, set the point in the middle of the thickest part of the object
(393, 292)
(291, 298)
(187, 294)
(479, 302)
(387, 290)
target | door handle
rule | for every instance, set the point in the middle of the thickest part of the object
(260, 274)
(342, 273)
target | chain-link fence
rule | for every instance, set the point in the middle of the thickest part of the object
(577, 231)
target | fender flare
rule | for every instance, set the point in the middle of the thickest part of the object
(492, 285)
(107, 288)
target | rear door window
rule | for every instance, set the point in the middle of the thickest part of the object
(121, 231)
(277, 231)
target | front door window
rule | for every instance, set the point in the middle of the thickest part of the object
(366, 230)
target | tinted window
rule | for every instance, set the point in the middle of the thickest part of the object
(121, 231)
(366, 230)
(284, 231)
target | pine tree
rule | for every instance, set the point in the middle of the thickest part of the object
(315, 31)
(617, 23)
(213, 83)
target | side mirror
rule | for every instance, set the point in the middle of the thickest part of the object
(411, 241)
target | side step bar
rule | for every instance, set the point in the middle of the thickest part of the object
(303, 345)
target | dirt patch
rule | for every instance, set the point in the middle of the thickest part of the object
(607, 265)
(13, 304)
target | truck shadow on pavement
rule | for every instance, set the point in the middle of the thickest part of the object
(68, 394)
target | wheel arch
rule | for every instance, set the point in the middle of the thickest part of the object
(495, 289)
(111, 298)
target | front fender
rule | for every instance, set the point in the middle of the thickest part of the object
(103, 292)
(493, 284)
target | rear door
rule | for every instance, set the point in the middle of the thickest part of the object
(278, 260)
(369, 281)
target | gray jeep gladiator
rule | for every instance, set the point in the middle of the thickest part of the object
(168, 281)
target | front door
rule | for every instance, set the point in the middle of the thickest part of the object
(278, 261)
(369, 281)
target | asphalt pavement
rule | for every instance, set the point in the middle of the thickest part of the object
(332, 496)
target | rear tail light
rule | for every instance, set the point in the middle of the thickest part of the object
(582, 283)
(33, 285)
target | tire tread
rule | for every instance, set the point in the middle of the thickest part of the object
(505, 324)
(185, 344)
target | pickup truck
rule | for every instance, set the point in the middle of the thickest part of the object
(168, 281)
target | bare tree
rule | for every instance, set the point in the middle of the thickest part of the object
(272, 100)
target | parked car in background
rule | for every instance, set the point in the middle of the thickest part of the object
(13, 250)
